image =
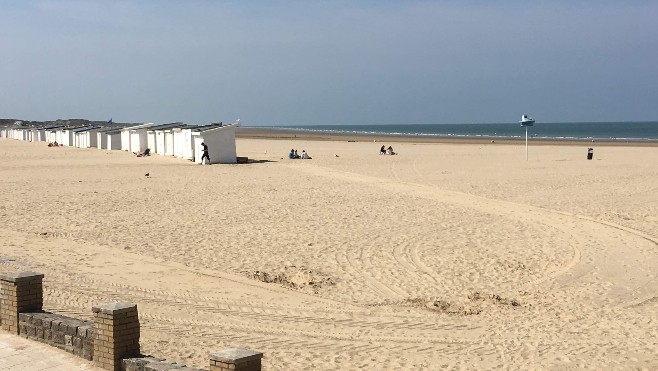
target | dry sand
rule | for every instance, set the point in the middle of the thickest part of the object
(457, 256)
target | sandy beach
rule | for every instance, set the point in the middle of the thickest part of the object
(449, 255)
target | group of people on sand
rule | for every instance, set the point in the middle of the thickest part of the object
(54, 144)
(386, 151)
(293, 155)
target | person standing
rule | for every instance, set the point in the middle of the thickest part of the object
(205, 154)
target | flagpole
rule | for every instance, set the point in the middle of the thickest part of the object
(526, 143)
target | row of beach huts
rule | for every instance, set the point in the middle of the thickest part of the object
(177, 139)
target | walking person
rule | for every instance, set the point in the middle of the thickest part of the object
(205, 154)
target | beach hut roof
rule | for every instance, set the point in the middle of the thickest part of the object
(167, 126)
(86, 128)
(140, 126)
(202, 128)
(215, 127)
(72, 128)
(54, 127)
(106, 129)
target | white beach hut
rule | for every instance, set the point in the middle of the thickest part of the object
(39, 135)
(19, 134)
(183, 143)
(169, 142)
(66, 136)
(101, 137)
(59, 133)
(150, 140)
(160, 142)
(155, 138)
(133, 138)
(85, 137)
(113, 139)
(49, 133)
(220, 141)
(183, 138)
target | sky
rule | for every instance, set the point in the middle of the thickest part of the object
(329, 62)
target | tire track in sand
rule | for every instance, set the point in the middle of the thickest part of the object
(589, 239)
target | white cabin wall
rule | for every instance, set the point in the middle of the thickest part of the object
(114, 141)
(197, 149)
(221, 145)
(92, 138)
(66, 137)
(143, 140)
(125, 140)
(188, 149)
(179, 143)
(99, 140)
(150, 141)
(134, 142)
(169, 143)
(160, 142)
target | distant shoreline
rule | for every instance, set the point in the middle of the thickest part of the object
(288, 134)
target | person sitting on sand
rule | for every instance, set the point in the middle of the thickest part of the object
(389, 151)
(382, 151)
(305, 155)
(291, 155)
(147, 152)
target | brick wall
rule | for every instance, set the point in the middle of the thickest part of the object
(19, 292)
(235, 359)
(111, 340)
(150, 363)
(70, 334)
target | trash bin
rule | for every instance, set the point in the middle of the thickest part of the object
(590, 153)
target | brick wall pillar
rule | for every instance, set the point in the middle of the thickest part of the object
(116, 334)
(235, 360)
(19, 292)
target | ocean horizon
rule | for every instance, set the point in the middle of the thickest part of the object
(622, 131)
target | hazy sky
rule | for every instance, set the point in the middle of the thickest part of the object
(329, 62)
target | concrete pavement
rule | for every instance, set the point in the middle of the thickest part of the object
(19, 354)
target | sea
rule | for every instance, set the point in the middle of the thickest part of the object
(577, 131)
